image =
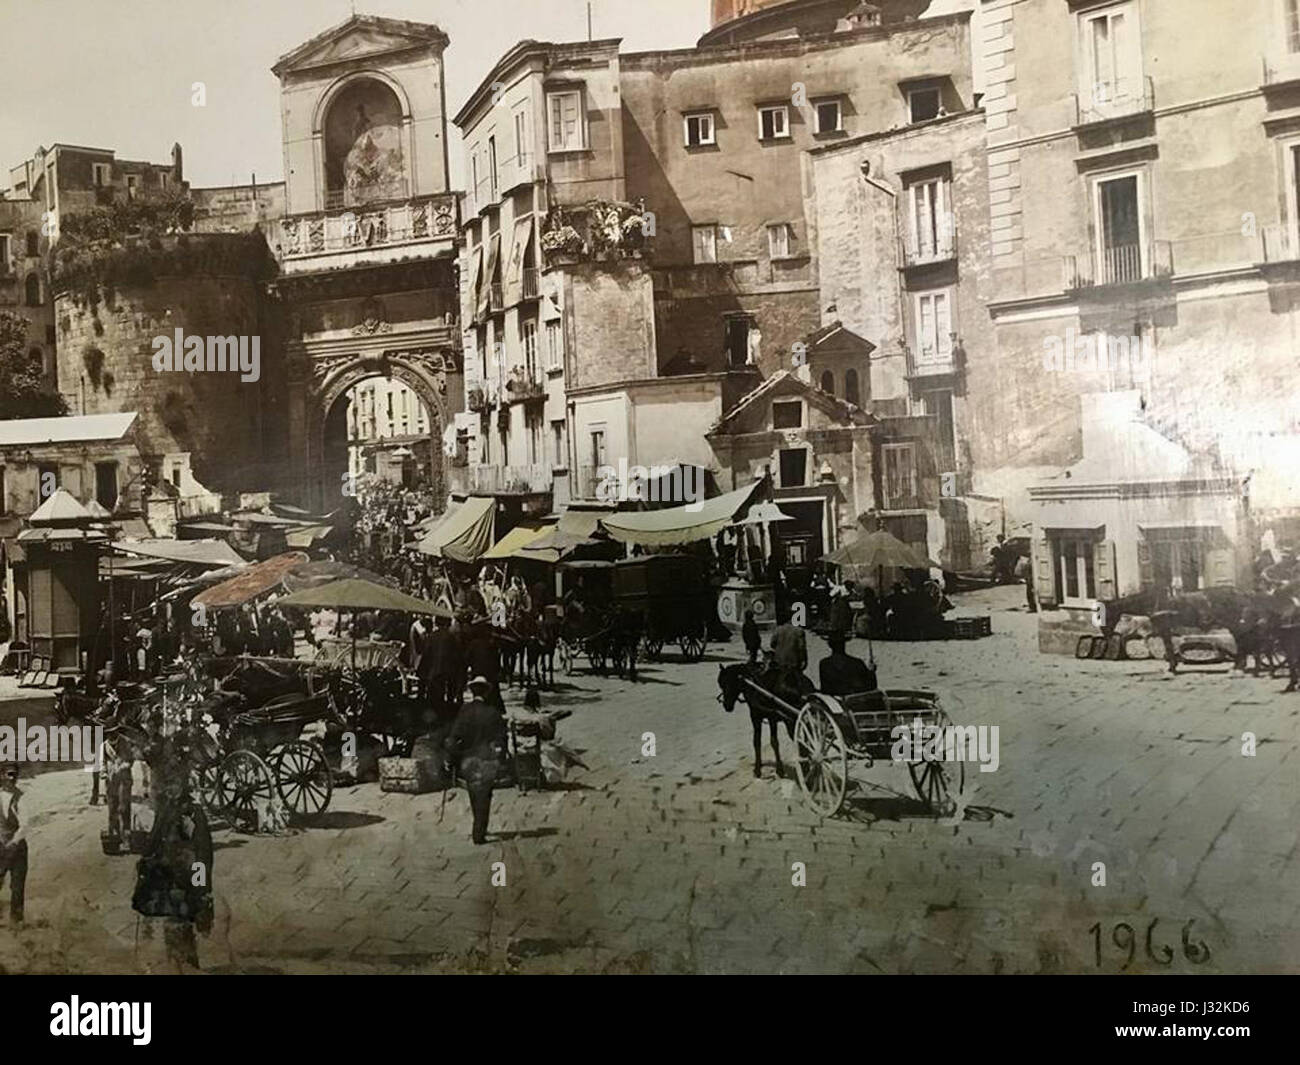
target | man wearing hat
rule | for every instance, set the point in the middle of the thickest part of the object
(477, 748)
(841, 673)
(13, 845)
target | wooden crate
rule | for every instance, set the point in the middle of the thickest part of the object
(411, 776)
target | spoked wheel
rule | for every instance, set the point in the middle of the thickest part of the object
(938, 784)
(654, 647)
(302, 777)
(205, 782)
(692, 647)
(245, 786)
(821, 759)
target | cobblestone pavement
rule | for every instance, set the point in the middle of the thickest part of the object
(682, 862)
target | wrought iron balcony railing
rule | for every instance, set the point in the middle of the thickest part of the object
(1120, 264)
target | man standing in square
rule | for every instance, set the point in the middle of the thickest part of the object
(13, 844)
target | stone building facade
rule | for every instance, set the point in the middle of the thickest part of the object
(700, 156)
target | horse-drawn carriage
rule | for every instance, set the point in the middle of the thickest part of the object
(833, 733)
(672, 597)
(596, 625)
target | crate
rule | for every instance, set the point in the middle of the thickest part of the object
(411, 776)
(970, 628)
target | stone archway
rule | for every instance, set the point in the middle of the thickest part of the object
(424, 372)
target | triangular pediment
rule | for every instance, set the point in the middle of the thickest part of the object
(752, 412)
(360, 37)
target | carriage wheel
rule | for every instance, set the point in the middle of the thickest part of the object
(654, 647)
(205, 786)
(938, 784)
(821, 759)
(692, 647)
(302, 777)
(245, 785)
(597, 660)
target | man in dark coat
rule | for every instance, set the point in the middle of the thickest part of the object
(483, 659)
(442, 668)
(841, 673)
(789, 659)
(753, 639)
(477, 749)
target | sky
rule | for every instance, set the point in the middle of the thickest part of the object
(118, 74)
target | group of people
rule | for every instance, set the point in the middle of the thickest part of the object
(839, 673)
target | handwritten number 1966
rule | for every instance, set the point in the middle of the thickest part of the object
(1125, 938)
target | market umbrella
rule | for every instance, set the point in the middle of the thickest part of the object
(249, 583)
(353, 594)
(326, 571)
(877, 550)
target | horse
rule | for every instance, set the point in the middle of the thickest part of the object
(731, 690)
(548, 639)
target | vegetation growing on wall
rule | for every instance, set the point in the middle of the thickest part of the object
(23, 391)
(132, 243)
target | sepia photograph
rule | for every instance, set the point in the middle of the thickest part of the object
(651, 487)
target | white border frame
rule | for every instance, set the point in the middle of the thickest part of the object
(686, 129)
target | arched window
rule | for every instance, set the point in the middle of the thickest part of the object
(33, 290)
(851, 387)
(828, 383)
(33, 244)
(363, 146)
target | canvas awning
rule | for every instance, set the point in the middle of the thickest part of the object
(513, 541)
(680, 525)
(519, 249)
(465, 534)
(307, 535)
(489, 269)
(195, 552)
(475, 276)
(576, 528)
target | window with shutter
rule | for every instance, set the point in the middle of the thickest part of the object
(1103, 565)
(1044, 580)
(565, 121)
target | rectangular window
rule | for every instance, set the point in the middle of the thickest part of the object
(787, 414)
(1112, 58)
(528, 340)
(934, 326)
(559, 454)
(739, 331)
(473, 169)
(793, 464)
(931, 228)
(492, 164)
(6, 253)
(521, 137)
(1120, 252)
(1291, 9)
(900, 476)
(699, 129)
(597, 448)
(923, 105)
(829, 116)
(1178, 565)
(704, 240)
(773, 122)
(778, 241)
(132, 185)
(102, 173)
(163, 180)
(1074, 570)
(939, 403)
(565, 120)
(554, 346)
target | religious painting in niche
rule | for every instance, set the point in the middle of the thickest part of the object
(363, 146)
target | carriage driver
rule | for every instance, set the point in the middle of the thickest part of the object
(841, 673)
